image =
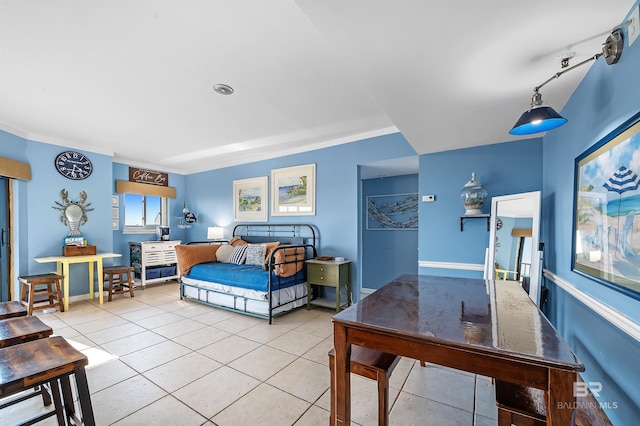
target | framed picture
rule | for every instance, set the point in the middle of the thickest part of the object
(606, 222)
(393, 212)
(294, 191)
(250, 199)
(114, 200)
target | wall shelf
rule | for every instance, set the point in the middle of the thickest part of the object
(475, 216)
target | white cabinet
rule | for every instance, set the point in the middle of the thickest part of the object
(154, 261)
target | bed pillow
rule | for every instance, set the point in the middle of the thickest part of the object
(188, 256)
(224, 253)
(237, 241)
(255, 254)
(289, 255)
(239, 254)
(270, 248)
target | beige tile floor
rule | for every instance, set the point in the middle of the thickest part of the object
(155, 359)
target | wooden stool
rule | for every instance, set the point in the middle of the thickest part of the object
(373, 365)
(14, 331)
(11, 309)
(41, 291)
(118, 279)
(525, 406)
(42, 361)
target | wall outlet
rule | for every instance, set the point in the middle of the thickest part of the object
(428, 198)
(633, 29)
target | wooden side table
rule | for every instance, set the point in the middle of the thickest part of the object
(329, 274)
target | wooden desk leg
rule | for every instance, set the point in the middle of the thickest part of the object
(91, 278)
(343, 376)
(562, 401)
(63, 269)
(100, 279)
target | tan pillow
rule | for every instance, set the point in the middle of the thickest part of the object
(289, 255)
(224, 253)
(188, 256)
(237, 241)
(270, 248)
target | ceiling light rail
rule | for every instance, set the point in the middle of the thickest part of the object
(541, 118)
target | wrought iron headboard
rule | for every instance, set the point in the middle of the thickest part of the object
(297, 234)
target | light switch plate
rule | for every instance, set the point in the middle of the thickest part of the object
(428, 198)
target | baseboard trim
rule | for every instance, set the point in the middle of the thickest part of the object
(613, 316)
(364, 292)
(451, 265)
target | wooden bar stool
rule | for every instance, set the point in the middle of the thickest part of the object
(373, 365)
(12, 309)
(17, 330)
(41, 291)
(118, 279)
(525, 406)
(51, 360)
(14, 331)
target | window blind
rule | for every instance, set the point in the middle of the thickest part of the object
(14, 169)
(123, 186)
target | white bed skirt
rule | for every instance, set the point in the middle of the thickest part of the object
(245, 300)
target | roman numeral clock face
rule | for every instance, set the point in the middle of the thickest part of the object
(73, 165)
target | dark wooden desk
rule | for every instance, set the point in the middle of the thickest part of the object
(485, 327)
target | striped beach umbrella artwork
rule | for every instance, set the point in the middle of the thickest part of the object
(621, 181)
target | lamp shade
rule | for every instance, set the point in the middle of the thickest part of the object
(215, 233)
(536, 120)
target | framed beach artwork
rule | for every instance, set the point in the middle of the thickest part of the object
(294, 191)
(394, 212)
(606, 230)
(250, 199)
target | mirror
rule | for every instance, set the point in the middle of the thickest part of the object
(513, 242)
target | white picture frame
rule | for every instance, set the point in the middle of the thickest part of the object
(251, 199)
(293, 191)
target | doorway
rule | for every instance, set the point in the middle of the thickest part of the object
(388, 222)
(5, 241)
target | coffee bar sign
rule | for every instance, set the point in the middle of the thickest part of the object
(148, 176)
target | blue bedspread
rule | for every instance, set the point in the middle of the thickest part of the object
(251, 277)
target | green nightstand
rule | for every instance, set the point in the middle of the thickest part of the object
(329, 274)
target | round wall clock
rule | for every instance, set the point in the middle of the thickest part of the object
(73, 165)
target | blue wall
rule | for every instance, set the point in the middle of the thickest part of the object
(337, 206)
(504, 168)
(389, 253)
(607, 97)
(38, 227)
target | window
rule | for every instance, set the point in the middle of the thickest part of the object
(142, 213)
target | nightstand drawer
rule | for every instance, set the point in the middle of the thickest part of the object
(322, 274)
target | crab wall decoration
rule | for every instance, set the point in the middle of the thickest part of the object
(74, 213)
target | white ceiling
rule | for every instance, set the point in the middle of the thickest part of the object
(133, 79)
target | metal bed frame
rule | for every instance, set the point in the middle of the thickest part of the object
(290, 236)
